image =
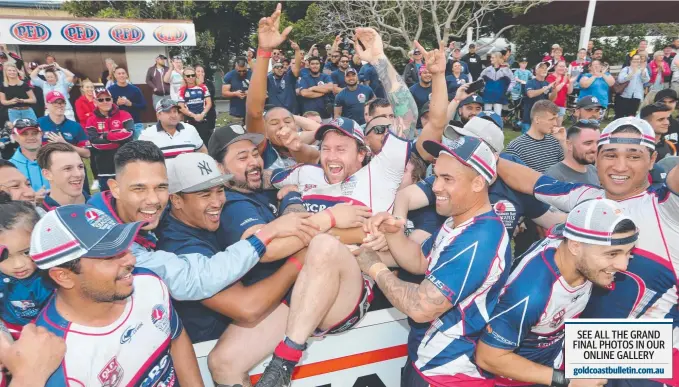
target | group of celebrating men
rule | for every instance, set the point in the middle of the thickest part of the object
(262, 239)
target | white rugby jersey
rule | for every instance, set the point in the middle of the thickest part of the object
(132, 351)
(374, 185)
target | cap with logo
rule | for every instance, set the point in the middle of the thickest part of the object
(522, 60)
(350, 70)
(165, 105)
(666, 93)
(472, 99)
(79, 230)
(588, 103)
(54, 96)
(479, 127)
(101, 90)
(344, 125)
(224, 136)
(593, 222)
(470, 151)
(23, 124)
(647, 138)
(545, 63)
(194, 172)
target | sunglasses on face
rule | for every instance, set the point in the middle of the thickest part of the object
(189, 75)
(242, 71)
(107, 99)
(379, 129)
(344, 61)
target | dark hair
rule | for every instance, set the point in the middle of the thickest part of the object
(595, 49)
(578, 127)
(51, 70)
(44, 157)
(286, 60)
(313, 58)
(120, 68)
(655, 107)
(626, 225)
(543, 106)
(73, 266)
(5, 163)
(131, 152)
(13, 212)
(240, 62)
(419, 168)
(377, 103)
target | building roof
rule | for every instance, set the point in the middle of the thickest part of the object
(52, 4)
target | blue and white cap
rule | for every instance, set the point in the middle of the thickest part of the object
(593, 222)
(79, 230)
(470, 151)
(344, 125)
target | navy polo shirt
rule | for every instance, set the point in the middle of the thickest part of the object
(281, 92)
(314, 104)
(201, 323)
(528, 102)
(421, 94)
(368, 73)
(353, 102)
(70, 130)
(337, 77)
(237, 105)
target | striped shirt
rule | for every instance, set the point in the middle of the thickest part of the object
(538, 155)
(184, 140)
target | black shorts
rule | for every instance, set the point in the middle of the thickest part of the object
(357, 314)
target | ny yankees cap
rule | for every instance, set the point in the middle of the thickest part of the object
(470, 151)
(79, 230)
(224, 136)
(344, 125)
(479, 127)
(472, 99)
(588, 102)
(647, 138)
(593, 222)
(194, 172)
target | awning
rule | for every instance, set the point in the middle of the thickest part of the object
(97, 32)
(607, 13)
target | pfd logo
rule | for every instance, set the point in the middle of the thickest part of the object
(30, 32)
(170, 35)
(126, 34)
(80, 33)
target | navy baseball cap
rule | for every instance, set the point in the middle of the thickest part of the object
(79, 230)
(493, 117)
(346, 126)
(470, 151)
(588, 102)
(472, 99)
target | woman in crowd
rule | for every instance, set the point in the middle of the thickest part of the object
(456, 79)
(659, 72)
(195, 101)
(84, 106)
(596, 83)
(107, 75)
(563, 86)
(627, 103)
(175, 77)
(575, 69)
(55, 82)
(499, 78)
(211, 117)
(16, 95)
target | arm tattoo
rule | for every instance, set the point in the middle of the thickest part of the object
(399, 96)
(423, 300)
(266, 179)
(294, 208)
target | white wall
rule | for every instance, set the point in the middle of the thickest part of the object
(139, 59)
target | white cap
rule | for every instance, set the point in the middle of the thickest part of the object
(194, 172)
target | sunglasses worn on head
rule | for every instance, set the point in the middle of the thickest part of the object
(25, 123)
(107, 99)
(379, 129)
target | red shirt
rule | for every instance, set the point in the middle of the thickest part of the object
(562, 95)
(84, 109)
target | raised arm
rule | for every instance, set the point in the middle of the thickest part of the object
(370, 48)
(298, 59)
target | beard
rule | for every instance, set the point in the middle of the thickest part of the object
(581, 158)
(243, 184)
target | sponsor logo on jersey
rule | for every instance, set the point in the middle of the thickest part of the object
(162, 369)
(112, 374)
(170, 35)
(23, 304)
(30, 32)
(116, 124)
(310, 207)
(126, 337)
(80, 33)
(506, 210)
(361, 97)
(308, 187)
(95, 219)
(126, 34)
(558, 318)
(160, 318)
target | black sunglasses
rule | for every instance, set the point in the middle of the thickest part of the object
(107, 99)
(378, 129)
(23, 123)
(189, 75)
(242, 71)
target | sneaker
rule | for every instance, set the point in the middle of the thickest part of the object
(277, 374)
(95, 186)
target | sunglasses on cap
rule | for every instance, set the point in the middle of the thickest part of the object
(379, 129)
(167, 103)
(588, 122)
(24, 123)
(107, 99)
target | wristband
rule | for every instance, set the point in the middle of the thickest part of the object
(262, 53)
(559, 379)
(376, 268)
(296, 262)
(333, 223)
(264, 241)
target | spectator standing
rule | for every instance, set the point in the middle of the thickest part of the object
(28, 135)
(658, 116)
(421, 91)
(412, 70)
(107, 74)
(456, 79)
(281, 83)
(129, 98)
(55, 82)
(674, 67)
(597, 83)
(563, 85)
(332, 64)
(669, 98)
(660, 73)
(668, 54)
(473, 61)
(578, 163)
(337, 76)
(555, 55)
(643, 45)
(636, 74)
(590, 50)
(368, 75)
(499, 79)
(597, 54)
(84, 105)
(521, 75)
(456, 56)
(170, 135)
(155, 79)
(58, 128)
(235, 88)
(588, 108)
(508, 56)
(202, 80)
(16, 95)
(174, 77)
(195, 102)
(351, 101)
(576, 68)
(64, 169)
(39, 107)
(314, 89)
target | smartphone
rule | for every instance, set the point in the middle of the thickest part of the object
(476, 86)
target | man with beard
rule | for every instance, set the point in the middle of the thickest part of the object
(315, 88)
(578, 163)
(350, 102)
(658, 116)
(280, 84)
(421, 91)
(337, 76)
(524, 338)
(114, 336)
(587, 109)
(625, 154)
(64, 169)
(463, 107)
(235, 88)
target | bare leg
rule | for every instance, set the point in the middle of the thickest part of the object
(240, 348)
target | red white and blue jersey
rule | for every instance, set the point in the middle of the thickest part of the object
(469, 264)
(132, 351)
(194, 97)
(374, 185)
(529, 318)
(648, 289)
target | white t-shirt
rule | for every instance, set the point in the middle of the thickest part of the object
(176, 81)
(184, 140)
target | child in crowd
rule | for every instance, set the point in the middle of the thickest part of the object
(521, 75)
(23, 290)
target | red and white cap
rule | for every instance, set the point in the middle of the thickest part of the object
(594, 221)
(470, 151)
(646, 139)
(54, 96)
